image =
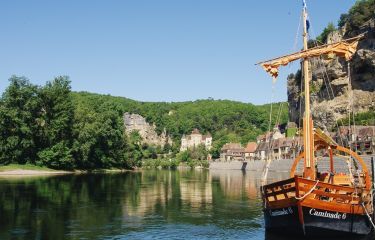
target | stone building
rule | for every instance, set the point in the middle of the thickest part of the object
(250, 149)
(262, 151)
(285, 148)
(195, 139)
(277, 146)
(360, 139)
(232, 151)
(135, 122)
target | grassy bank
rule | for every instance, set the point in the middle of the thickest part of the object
(12, 167)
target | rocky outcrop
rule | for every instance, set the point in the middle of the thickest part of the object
(135, 122)
(333, 93)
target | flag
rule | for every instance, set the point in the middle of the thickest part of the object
(307, 24)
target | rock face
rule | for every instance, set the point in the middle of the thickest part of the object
(135, 122)
(333, 93)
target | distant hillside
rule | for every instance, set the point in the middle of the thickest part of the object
(52, 126)
(225, 120)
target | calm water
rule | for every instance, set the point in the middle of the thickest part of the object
(187, 204)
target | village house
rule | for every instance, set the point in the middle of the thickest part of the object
(285, 148)
(250, 149)
(264, 142)
(195, 139)
(262, 151)
(361, 139)
(277, 146)
(232, 151)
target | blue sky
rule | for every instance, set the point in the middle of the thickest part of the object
(157, 50)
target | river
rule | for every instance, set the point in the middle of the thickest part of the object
(150, 204)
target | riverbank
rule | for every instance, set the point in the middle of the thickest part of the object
(23, 172)
(28, 170)
(33, 170)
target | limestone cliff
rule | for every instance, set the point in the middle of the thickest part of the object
(135, 122)
(331, 102)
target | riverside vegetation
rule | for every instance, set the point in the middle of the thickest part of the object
(54, 127)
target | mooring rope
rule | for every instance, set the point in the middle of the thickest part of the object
(309, 192)
(368, 215)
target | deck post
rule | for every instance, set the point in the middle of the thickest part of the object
(299, 206)
(332, 168)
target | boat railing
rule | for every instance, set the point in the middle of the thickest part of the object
(334, 197)
(279, 194)
(318, 193)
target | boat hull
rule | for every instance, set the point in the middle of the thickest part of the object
(316, 222)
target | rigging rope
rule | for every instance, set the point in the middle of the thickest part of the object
(297, 34)
(309, 192)
(279, 114)
(351, 110)
(368, 215)
(266, 167)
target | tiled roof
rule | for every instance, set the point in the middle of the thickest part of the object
(251, 147)
(231, 146)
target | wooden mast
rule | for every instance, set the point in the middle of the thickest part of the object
(309, 166)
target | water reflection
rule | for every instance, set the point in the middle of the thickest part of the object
(134, 205)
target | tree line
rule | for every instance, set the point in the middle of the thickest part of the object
(45, 126)
(227, 121)
(52, 126)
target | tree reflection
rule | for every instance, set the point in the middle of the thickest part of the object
(103, 205)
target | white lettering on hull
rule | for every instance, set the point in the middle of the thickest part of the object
(281, 212)
(325, 214)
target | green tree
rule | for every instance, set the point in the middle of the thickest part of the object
(183, 156)
(198, 153)
(322, 38)
(99, 138)
(57, 115)
(19, 122)
(134, 154)
(359, 13)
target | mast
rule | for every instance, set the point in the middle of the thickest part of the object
(309, 166)
(344, 49)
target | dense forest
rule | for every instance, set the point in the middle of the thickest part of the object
(52, 126)
(227, 121)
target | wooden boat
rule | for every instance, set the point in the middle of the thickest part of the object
(315, 203)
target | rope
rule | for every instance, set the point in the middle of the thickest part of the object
(309, 192)
(351, 111)
(368, 215)
(266, 167)
(297, 33)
